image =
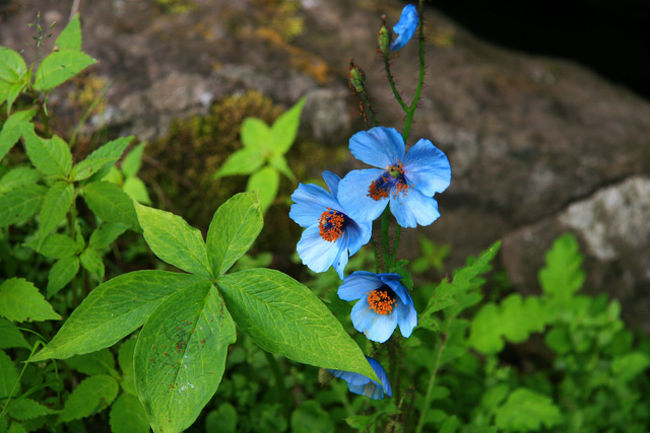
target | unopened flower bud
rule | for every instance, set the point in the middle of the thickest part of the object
(357, 77)
(383, 40)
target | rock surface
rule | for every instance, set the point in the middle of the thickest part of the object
(537, 145)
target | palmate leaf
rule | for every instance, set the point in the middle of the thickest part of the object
(285, 128)
(180, 356)
(284, 317)
(234, 228)
(112, 311)
(173, 240)
(265, 183)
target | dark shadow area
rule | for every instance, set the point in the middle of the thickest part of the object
(610, 37)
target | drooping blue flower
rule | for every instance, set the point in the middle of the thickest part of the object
(362, 385)
(408, 181)
(331, 236)
(405, 27)
(383, 303)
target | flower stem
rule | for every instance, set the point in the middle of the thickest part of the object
(385, 241)
(281, 388)
(432, 381)
(366, 102)
(391, 81)
(410, 111)
(398, 231)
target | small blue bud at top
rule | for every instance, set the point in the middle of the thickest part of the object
(405, 27)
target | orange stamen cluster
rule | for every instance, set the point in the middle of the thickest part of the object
(381, 301)
(331, 225)
(391, 180)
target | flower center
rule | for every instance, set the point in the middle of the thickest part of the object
(381, 300)
(391, 180)
(332, 223)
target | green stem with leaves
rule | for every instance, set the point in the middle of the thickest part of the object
(432, 380)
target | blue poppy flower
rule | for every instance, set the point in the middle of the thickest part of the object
(405, 27)
(383, 304)
(362, 385)
(408, 181)
(331, 236)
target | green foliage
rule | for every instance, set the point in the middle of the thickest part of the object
(526, 411)
(21, 301)
(264, 144)
(92, 395)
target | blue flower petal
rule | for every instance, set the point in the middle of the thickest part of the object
(358, 235)
(332, 181)
(405, 27)
(412, 208)
(375, 326)
(354, 198)
(310, 201)
(341, 259)
(315, 252)
(379, 146)
(357, 285)
(407, 318)
(360, 384)
(427, 168)
(394, 282)
(381, 374)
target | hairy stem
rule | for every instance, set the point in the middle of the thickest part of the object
(391, 81)
(410, 111)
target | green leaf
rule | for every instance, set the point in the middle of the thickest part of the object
(285, 128)
(21, 301)
(56, 246)
(50, 156)
(92, 395)
(10, 336)
(8, 376)
(110, 203)
(310, 417)
(630, 365)
(56, 203)
(125, 359)
(16, 428)
(137, 190)
(173, 240)
(12, 73)
(107, 154)
(563, 276)
(59, 67)
(92, 261)
(18, 177)
(222, 420)
(513, 320)
(256, 135)
(128, 416)
(234, 228)
(132, 161)
(13, 126)
(280, 164)
(243, 161)
(61, 273)
(112, 311)
(70, 36)
(103, 236)
(18, 205)
(526, 411)
(180, 356)
(265, 182)
(25, 408)
(100, 362)
(284, 317)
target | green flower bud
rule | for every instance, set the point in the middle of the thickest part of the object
(383, 40)
(357, 77)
